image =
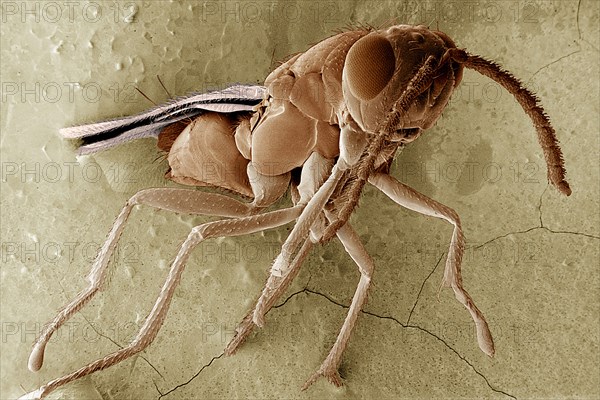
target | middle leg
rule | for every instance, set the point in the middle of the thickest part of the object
(354, 247)
(273, 290)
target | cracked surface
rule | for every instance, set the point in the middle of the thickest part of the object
(531, 262)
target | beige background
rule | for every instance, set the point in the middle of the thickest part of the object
(531, 266)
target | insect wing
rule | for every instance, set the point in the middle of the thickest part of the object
(103, 135)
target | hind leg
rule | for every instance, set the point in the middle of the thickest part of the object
(172, 199)
(154, 321)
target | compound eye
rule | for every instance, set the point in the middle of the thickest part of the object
(370, 64)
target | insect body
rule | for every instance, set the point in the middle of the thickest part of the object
(327, 121)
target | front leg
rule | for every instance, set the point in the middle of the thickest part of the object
(413, 200)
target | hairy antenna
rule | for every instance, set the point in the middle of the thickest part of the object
(530, 104)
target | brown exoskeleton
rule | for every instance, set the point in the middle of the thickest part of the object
(328, 121)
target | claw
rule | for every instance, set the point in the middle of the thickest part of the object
(35, 395)
(36, 358)
(241, 333)
(331, 374)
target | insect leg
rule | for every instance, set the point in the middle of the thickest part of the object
(173, 199)
(154, 321)
(315, 172)
(273, 290)
(356, 250)
(281, 266)
(413, 200)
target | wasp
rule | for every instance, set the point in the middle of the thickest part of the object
(326, 122)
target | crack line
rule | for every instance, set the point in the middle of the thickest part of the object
(533, 229)
(422, 286)
(577, 19)
(411, 327)
(540, 207)
(118, 345)
(108, 338)
(222, 353)
(579, 29)
(194, 376)
(157, 389)
(550, 63)
(541, 226)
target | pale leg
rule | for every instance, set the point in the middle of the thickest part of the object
(178, 200)
(273, 290)
(282, 264)
(413, 200)
(356, 250)
(223, 228)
